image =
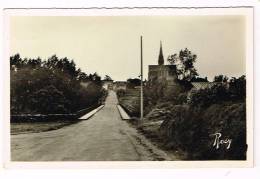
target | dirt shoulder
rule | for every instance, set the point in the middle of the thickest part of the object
(150, 129)
(23, 128)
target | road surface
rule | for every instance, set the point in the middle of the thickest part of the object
(103, 137)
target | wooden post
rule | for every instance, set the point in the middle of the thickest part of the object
(141, 95)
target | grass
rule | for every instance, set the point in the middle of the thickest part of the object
(131, 102)
(22, 128)
(34, 126)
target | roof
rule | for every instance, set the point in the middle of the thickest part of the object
(202, 85)
(162, 65)
(120, 82)
(107, 80)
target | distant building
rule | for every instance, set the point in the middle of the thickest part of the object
(196, 86)
(107, 84)
(202, 85)
(85, 84)
(164, 74)
(119, 85)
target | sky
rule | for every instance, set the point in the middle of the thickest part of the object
(110, 45)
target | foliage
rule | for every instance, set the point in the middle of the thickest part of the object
(184, 62)
(237, 88)
(235, 91)
(198, 79)
(108, 78)
(48, 100)
(131, 83)
(51, 86)
(120, 93)
(205, 97)
(189, 130)
(188, 125)
(181, 99)
(220, 78)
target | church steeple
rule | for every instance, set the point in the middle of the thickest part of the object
(160, 58)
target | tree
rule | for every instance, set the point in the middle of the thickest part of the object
(48, 100)
(133, 82)
(15, 61)
(52, 86)
(199, 79)
(96, 77)
(184, 62)
(34, 63)
(220, 92)
(220, 78)
(82, 76)
(108, 78)
(237, 88)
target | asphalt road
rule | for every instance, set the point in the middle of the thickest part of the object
(103, 137)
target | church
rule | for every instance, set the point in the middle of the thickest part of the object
(165, 75)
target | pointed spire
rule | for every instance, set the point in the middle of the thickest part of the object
(160, 58)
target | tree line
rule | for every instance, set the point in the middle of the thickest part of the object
(54, 85)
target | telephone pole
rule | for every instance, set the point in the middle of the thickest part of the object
(141, 95)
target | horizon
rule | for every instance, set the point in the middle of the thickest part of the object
(111, 45)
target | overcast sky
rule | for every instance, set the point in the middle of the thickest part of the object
(111, 45)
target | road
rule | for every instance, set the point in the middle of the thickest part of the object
(103, 137)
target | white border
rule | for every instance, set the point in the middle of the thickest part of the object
(133, 12)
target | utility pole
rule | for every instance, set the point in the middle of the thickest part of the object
(141, 95)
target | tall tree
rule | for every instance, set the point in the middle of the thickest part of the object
(16, 61)
(184, 62)
(108, 78)
(52, 86)
(220, 78)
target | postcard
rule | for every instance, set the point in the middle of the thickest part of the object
(115, 87)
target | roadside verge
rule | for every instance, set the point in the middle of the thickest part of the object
(122, 113)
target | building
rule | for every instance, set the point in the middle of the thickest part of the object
(107, 84)
(119, 85)
(164, 74)
(202, 85)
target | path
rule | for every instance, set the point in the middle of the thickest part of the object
(104, 137)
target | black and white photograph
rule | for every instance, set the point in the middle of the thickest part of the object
(166, 85)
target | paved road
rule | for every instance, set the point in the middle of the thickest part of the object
(104, 137)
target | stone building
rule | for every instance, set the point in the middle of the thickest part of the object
(119, 85)
(165, 75)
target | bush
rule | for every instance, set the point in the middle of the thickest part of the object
(182, 98)
(49, 100)
(120, 93)
(237, 88)
(236, 92)
(189, 129)
(51, 86)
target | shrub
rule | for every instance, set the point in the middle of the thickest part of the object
(189, 129)
(120, 93)
(48, 100)
(182, 98)
(51, 86)
(234, 91)
(237, 88)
